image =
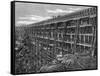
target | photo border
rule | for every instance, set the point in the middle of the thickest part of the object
(12, 64)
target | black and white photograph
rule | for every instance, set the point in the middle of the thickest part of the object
(52, 37)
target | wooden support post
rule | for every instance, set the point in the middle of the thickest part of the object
(84, 38)
(62, 35)
(76, 34)
(55, 39)
(94, 37)
(94, 43)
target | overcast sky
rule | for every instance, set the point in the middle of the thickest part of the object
(27, 13)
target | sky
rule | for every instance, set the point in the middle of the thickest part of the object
(28, 13)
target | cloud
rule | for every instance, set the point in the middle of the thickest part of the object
(24, 22)
(74, 9)
(68, 10)
(29, 19)
(59, 11)
(33, 18)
